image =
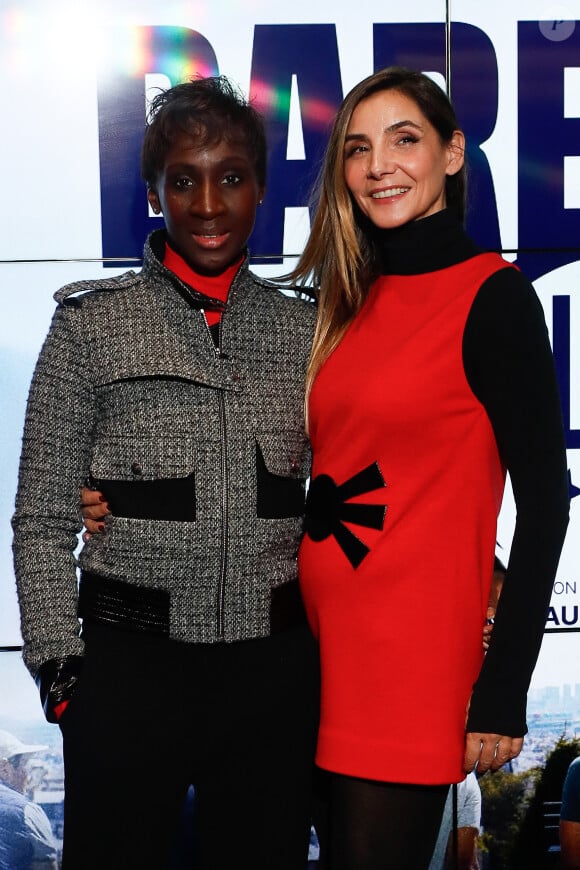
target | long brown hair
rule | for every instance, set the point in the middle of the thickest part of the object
(340, 260)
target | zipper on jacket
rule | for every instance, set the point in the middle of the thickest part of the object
(224, 492)
(225, 510)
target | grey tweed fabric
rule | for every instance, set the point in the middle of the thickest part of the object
(129, 382)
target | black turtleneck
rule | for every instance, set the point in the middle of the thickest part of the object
(425, 245)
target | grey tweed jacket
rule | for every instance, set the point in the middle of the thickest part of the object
(200, 450)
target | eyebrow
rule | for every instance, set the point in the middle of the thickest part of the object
(234, 162)
(392, 129)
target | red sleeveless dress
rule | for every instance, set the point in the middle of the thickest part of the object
(397, 594)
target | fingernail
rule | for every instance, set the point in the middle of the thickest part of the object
(101, 527)
(102, 498)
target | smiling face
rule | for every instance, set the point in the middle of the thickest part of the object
(208, 195)
(395, 164)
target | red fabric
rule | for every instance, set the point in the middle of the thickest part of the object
(400, 635)
(214, 286)
(60, 708)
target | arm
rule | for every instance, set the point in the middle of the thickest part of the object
(466, 851)
(41, 838)
(54, 461)
(569, 845)
(494, 593)
(488, 745)
(509, 365)
(468, 822)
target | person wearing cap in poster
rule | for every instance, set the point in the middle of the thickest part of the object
(26, 840)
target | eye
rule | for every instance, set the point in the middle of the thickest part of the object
(407, 139)
(232, 178)
(182, 182)
(355, 148)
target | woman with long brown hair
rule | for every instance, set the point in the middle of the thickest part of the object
(431, 374)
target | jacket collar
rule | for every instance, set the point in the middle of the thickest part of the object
(154, 270)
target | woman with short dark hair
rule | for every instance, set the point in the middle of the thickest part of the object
(178, 392)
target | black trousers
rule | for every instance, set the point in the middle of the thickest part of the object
(152, 716)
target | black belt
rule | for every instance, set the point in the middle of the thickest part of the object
(122, 604)
(138, 608)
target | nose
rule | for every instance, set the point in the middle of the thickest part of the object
(208, 201)
(381, 163)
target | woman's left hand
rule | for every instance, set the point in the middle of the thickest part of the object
(94, 509)
(489, 751)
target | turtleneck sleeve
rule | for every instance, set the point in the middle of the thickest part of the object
(509, 365)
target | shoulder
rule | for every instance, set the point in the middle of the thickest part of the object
(75, 294)
(11, 796)
(469, 788)
(506, 327)
(573, 775)
(571, 793)
(287, 299)
(507, 276)
(506, 296)
(38, 823)
(489, 269)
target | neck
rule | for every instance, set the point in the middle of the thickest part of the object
(424, 245)
(216, 286)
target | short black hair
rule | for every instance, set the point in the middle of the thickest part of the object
(210, 109)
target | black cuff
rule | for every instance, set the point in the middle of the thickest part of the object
(494, 713)
(56, 680)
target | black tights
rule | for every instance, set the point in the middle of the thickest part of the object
(380, 825)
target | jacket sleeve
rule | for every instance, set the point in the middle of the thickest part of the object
(57, 680)
(54, 462)
(509, 365)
